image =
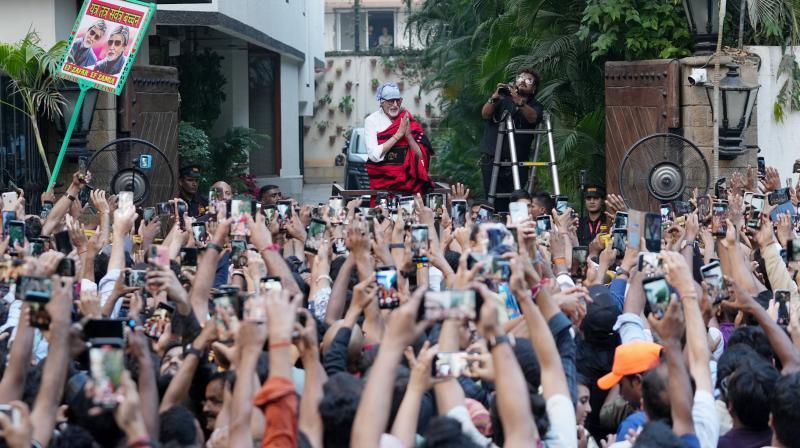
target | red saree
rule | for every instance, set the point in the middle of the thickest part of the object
(401, 170)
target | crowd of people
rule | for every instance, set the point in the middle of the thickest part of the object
(380, 322)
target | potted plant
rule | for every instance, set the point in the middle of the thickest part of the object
(401, 85)
(428, 109)
(348, 85)
(347, 62)
(338, 72)
(322, 125)
(326, 99)
(388, 66)
(330, 63)
(331, 111)
(417, 99)
(375, 83)
(331, 139)
(330, 86)
(346, 104)
(339, 129)
(373, 62)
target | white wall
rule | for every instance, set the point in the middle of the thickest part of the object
(51, 19)
(779, 143)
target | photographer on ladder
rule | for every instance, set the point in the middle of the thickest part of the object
(519, 100)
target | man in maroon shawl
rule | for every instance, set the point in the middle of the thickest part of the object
(398, 151)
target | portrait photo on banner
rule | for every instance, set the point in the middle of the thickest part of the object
(104, 42)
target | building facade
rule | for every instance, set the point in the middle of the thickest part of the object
(268, 50)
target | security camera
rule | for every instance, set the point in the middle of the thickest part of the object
(698, 77)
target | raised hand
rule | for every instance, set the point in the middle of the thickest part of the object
(459, 192)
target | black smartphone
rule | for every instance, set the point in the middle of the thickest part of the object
(66, 267)
(543, 224)
(501, 269)
(165, 208)
(36, 246)
(16, 234)
(580, 254)
(148, 214)
(386, 280)
(284, 211)
(436, 203)
(652, 232)
(562, 204)
(106, 364)
(47, 206)
(621, 220)
(315, 235)
(704, 207)
(779, 196)
(135, 278)
(782, 296)
(762, 168)
(239, 253)
(720, 189)
(189, 256)
(619, 241)
(459, 212)
(681, 208)
(719, 216)
(36, 292)
(485, 213)
(63, 243)
(200, 232)
(793, 250)
(450, 304)
(656, 290)
(665, 211)
(419, 238)
(270, 284)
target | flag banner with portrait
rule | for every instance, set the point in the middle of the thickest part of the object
(104, 42)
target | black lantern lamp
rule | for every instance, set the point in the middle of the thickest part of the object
(703, 16)
(76, 147)
(737, 98)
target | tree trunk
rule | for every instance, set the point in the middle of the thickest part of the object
(35, 123)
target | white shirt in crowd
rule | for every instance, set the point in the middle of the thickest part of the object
(374, 123)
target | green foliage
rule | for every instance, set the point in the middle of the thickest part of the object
(201, 87)
(32, 70)
(346, 104)
(193, 146)
(636, 29)
(230, 155)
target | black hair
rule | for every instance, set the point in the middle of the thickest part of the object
(732, 358)
(516, 195)
(341, 395)
(657, 434)
(100, 266)
(748, 393)
(755, 338)
(543, 199)
(538, 408)
(33, 227)
(265, 189)
(177, 424)
(446, 432)
(655, 395)
(72, 436)
(452, 258)
(784, 409)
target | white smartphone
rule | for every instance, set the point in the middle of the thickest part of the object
(10, 200)
(125, 200)
(518, 211)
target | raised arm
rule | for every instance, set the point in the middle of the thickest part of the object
(13, 383)
(310, 421)
(339, 292)
(62, 206)
(178, 389)
(206, 271)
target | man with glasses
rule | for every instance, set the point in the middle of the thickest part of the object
(115, 57)
(82, 52)
(519, 100)
(398, 150)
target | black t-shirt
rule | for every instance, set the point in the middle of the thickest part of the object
(523, 141)
(198, 205)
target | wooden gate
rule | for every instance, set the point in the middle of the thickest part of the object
(642, 98)
(149, 109)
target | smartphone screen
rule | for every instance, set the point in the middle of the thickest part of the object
(36, 292)
(106, 367)
(681, 208)
(793, 250)
(271, 284)
(451, 304)
(407, 205)
(501, 269)
(451, 365)
(562, 204)
(704, 207)
(199, 232)
(779, 196)
(459, 213)
(63, 243)
(518, 211)
(189, 256)
(419, 238)
(757, 202)
(666, 212)
(386, 279)
(719, 223)
(66, 267)
(579, 263)
(762, 167)
(782, 296)
(135, 278)
(484, 214)
(159, 256)
(543, 224)
(336, 210)
(46, 207)
(125, 200)
(239, 253)
(148, 214)
(36, 247)
(316, 233)
(621, 220)
(656, 289)
(284, 211)
(652, 232)
(649, 262)
(16, 234)
(619, 241)
(436, 203)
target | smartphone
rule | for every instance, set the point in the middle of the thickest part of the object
(580, 254)
(135, 278)
(8, 216)
(106, 367)
(720, 189)
(451, 365)
(621, 221)
(182, 208)
(562, 204)
(239, 253)
(681, 208)
(165, 208)
(36, 291)
(757, 202)
(665, 211)
(82, 167)
(779, 196)
(241, 208)
(762, 168)
(189, 256)
(199, 232)
(450, 304)
(269, 212)
(459, 213)
(793, 250)
(485, 213)
(712, 274)
(518, 211)
(419, 238)
(386, 280)
(10, 200)
(284, 211)
(656, 290)
(649, 262)
(11, 412)
(652, 232)
(719, 216)
(159, 256)
(619, 241)
(315, 235)
(782, 296)
(148, 214)
(47, 206)
(339, 246)
(125, 200)
(63, 243)
(251, 308)
(271, 284)
(16, 234)
(436, 203)
(407, 204)
(543, 224)
(36, 247)
(501, 269)
(704, 207)
(66, 267)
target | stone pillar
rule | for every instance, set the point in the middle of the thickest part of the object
(104, 123)
(697, 118)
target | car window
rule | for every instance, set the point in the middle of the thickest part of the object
(359, 146)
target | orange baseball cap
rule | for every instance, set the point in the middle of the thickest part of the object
(631, 358)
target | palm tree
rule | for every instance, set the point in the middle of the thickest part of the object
(32, 70)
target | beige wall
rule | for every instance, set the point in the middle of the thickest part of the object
(51, 19)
